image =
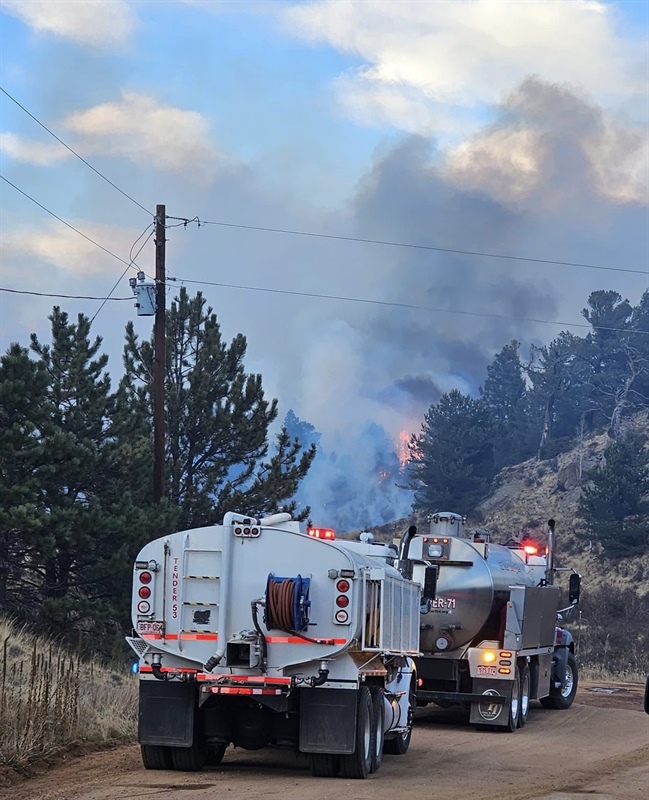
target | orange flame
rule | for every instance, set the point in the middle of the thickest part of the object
(403, 454)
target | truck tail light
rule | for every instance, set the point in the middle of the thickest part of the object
(342, 599)
(145, 585)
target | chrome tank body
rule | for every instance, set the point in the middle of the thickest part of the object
(473, 584)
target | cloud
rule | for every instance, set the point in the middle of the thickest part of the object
(103, 24)
(422, 59)
(31, 151)
(65, 250)
(137, 127)
(143, 130)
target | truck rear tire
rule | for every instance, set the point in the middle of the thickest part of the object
(378, 720)
(155, 756)
(324, 765)
(189, 759)
(524, 695)
(562, 698)
(514, 713)
(359, 763)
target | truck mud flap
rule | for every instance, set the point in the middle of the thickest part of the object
(328, 720)
(490, 712)
(166, 715)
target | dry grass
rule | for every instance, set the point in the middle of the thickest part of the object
(598, 673)
(51, 698)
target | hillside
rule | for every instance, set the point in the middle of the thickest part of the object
(530, 493)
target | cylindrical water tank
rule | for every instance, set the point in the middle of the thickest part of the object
(473, 581)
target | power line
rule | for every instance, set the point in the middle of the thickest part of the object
(63, 296)
(407, 306)
(132, 260)
(74, 152)
(411, 246)
(67, 224)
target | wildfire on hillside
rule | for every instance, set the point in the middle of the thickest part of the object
(403, 454)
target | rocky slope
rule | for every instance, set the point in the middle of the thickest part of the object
(530, 493)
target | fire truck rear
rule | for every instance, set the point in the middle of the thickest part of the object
(489, 636)
(252, 633)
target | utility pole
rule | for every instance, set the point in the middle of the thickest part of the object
(160, 360)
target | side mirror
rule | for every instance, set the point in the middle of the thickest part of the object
(574, 588)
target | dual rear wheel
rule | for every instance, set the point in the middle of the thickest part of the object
(519, 702)
(370, 741)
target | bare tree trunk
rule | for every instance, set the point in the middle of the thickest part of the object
(582, 428)
(621, 399)
(547, 424)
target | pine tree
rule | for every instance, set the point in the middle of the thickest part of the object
(452, 463)
(301, 430)
(96, 518)
(505, 394)
(217, 450)
(555, 399)
(639, 343)
(613, 364)
(615, 508)
(23, 413)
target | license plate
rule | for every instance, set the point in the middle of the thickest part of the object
(486, 670)
(150, 627)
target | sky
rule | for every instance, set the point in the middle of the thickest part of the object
(516, 128)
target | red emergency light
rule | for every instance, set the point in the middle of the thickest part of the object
(531, 549)
(322, 533)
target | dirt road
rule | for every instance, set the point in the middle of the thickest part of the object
(600, 747)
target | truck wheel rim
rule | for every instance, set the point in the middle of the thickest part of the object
(515, 700)
(525, 695)
(566, 689)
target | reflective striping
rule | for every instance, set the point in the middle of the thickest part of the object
(200, 630)
(193, 603)
(202, 577)
(243, 690)
(300, 640)
(187, 635)
(256, 679)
